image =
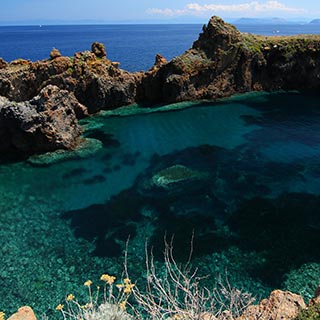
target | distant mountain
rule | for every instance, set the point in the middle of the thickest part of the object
(315, 21)
(262, 21)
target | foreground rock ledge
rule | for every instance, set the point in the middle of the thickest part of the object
(220, 63)
(281, 305)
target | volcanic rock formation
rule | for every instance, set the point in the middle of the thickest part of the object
(220, 63)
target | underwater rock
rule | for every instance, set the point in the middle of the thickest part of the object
(175, 174)
(86, 148)
(24, 313)
(281, 305)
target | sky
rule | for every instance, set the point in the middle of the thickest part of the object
(126, 11)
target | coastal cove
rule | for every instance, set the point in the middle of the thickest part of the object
(218, 147)
(231, 162)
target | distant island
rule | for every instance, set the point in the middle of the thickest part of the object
(255, 21)
(42, 101)
(315, 21)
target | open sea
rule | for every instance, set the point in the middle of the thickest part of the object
(241, 174)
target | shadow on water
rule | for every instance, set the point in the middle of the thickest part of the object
(106, 223)
(75, 173)
(107, 140)
(249, 197)
(285, 230)
(12, 155)
(231, 193)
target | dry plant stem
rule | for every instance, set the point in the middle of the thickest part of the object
(177, 293)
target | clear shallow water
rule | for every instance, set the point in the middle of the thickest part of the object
(254, 207)
(134, 46)
(255, 210)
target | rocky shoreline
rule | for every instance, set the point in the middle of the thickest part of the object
(41, 102)
(281, 305)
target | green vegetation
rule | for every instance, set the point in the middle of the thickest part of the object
(311, 313)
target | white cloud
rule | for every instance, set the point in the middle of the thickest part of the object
(247, 7)
(166, 12)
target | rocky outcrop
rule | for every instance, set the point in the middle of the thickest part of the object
(97, 83)
(45, 123)
(55, 53)
(24, 313)
(224, 61)
(99, 50)
(221, 62)
(281, 305)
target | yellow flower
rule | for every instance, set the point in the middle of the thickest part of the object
(88, 283)
(59, 307)
(122, 304)
(127, 281)
(70, 297)
(128, 288)
(2, 314)
(108, 279)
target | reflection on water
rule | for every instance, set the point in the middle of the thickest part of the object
(242, 175)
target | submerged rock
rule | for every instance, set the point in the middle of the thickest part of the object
(85, 149)
(175, 174)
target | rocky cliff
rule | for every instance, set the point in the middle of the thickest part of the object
(221, 62)
(224, 61)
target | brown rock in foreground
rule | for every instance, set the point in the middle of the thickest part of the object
(281, 305)
(24, 313)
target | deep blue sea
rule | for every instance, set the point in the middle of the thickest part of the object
(241, 174)
(134, 46)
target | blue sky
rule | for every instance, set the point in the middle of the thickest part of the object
(146, 10)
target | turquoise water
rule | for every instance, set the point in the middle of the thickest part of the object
(252, 200)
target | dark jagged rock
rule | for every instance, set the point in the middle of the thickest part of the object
(220, 63)
(45, 123)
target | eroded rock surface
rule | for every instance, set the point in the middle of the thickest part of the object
(45, 123)
(281, 305)
(220, 63)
